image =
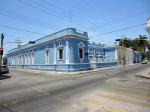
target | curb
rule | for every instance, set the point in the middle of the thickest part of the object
(67, 73)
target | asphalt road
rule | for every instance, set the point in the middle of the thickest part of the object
(29, 91)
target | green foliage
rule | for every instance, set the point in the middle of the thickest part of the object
(148, 55)
(138, 44)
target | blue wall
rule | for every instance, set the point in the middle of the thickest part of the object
(70, 40)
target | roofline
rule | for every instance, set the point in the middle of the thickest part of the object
(48, 36)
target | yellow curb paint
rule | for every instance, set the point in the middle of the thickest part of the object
(115, 98)
(107, 106)
(127, 94)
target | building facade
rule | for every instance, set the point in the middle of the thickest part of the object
(65, 50)
(101, 55)
(125, 56)
(137, 57)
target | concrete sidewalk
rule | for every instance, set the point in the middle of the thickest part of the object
(71, 73)
(144, 74)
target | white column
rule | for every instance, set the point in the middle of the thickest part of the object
(67, 52)
(29, 58)
(54, 53)
(94, 54)
(116, 55)
(33, 57)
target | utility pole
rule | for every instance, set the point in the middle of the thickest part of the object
(1, 52)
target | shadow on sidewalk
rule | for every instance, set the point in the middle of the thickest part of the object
(2, 77)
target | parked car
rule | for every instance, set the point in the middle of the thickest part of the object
(145, 61)
(4, 69)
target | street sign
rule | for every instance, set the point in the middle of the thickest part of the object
(31, 42)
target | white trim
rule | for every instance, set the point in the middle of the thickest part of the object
(47, 56)
(81, 59)
(29, 58)
(55, 53)
(32, 58)
(81, 45)
(116, 53)
(49, 41)
(60, 60)
(67, 52)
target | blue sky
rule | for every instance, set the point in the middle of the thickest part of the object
(93, 16)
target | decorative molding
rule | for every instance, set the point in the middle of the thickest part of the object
(81, 45)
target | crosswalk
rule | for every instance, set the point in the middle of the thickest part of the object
(121, 99)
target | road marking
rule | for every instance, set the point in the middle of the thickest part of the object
(137, 86)
(27, 89)
(127, 94)
(115, 98)
(133, 90)
(15, 91)
(60, 99)
(45, 93)
(107, 106)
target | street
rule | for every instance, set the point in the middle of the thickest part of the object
(26, 91)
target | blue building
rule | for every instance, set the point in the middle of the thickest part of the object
(65, 50)
(101, 55)
(137, 57)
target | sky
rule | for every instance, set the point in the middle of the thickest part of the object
(34, 19)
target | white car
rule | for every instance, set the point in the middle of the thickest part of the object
(145, 61)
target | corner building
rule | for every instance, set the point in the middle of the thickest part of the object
(66, 50)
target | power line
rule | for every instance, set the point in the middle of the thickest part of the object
(16, 17)
(116, 20)
(77, 18)
(126, 28)
(46, 10)
(27, 31)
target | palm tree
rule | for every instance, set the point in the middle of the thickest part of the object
(143, 42)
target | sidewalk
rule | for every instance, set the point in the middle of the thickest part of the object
(144, 74)
(69, 73)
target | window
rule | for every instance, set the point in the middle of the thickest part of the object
(32, 57)
(47, 57)
(80, 53)
(60, 54)
(23, 59)
(26, 59)
(29, 58)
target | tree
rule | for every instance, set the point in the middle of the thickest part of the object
(138, 44)
(143, 43)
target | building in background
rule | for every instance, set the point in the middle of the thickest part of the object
(125, 56)
(137, 57)
(101, 55)
(148, 27)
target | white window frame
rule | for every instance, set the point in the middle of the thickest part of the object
(29, 58)
(81, 59)
(59, 54)
(47, 56)
(32, 58)
(26, 59)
